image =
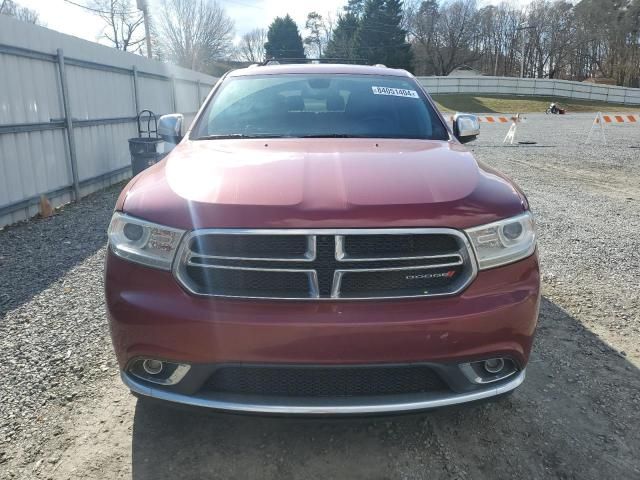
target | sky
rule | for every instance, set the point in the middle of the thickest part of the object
(247, 14)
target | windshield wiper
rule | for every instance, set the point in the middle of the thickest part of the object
(334, 135)
(226, 136)
(347, 135)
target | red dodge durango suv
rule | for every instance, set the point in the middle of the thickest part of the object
(321, 242)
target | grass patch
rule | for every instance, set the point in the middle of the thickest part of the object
(512, 104)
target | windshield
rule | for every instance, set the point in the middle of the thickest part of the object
(367, 106)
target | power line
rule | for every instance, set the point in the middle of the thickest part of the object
(243, 4)
(105, 12)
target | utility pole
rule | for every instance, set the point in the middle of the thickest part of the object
(522, 28)
(521, 52)
(143, 6)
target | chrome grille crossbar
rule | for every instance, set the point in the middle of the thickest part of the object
(320, 271)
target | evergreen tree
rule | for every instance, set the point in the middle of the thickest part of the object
(344, 41)
(381, 37)
(355, 7)
(284, 40)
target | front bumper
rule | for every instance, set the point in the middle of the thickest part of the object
(151, 316)
(324, 406)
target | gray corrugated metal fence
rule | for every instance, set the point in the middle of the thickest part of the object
(532, 87)
(67, 108)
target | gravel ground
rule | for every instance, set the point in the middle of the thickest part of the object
(64, 413)
(53, 333)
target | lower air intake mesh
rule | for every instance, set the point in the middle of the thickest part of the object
(325, 381)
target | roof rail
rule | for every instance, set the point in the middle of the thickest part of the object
(279, 61)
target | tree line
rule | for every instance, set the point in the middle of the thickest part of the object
(13, 9)
(597, 39)
(366, 31)
(544, 39)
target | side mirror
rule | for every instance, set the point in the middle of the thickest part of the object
(170, 127)
(465, 127)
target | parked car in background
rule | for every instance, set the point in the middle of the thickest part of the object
(322, 242)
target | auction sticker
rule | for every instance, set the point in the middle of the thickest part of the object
(396, 92)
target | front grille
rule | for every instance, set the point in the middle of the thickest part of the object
(357, 247)
(289, 247)
(342, 264)
(261, 283)
(312, 381)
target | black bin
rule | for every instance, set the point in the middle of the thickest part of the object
(145, 150)
(144, 153)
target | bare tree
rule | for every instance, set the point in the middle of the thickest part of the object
(124, 27)
(12, 9)
(444, 33)
(496, 38)
(195, 33)
(553, 38)
(320, 30)
(315, 39)
(251, 47)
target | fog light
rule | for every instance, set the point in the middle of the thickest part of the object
(489, 370)
(152, 367)
(161, 372)
(494, 365)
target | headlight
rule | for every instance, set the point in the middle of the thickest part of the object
(143, 242)
(503, 242)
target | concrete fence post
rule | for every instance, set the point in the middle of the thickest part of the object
(69, 125)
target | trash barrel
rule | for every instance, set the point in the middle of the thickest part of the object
(144, 153)
(146, 150)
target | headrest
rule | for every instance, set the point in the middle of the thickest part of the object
(295, 103)
(335, 103)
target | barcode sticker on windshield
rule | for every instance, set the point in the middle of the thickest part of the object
(396, 92)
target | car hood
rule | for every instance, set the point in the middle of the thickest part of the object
(320, 183)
